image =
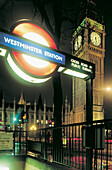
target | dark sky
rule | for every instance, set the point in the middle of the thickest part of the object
(12, 87)
(107, 13)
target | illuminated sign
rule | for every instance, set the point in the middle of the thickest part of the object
(82, 66)
(78, 68)
(30, 48)
(2, 125)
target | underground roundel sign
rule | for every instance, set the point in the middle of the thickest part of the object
(29, 68)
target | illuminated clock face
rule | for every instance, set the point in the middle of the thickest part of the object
(29, 68)
(78, 42)
(95, 38)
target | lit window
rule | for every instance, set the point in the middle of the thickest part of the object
(37, 121)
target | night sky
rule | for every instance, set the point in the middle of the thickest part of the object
(13, 86)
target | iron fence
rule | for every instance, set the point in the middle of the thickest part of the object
(20, 143)
(70, 149)
(68, 144)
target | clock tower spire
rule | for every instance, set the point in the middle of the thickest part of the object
(88, 9)
(89, 44)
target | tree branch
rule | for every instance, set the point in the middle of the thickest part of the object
(70, 19)
(57, 9)
(40, 6)
(3, 6)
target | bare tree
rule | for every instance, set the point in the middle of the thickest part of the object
(54, 13)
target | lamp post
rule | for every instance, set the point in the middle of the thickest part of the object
(33, 128)
(108, 101)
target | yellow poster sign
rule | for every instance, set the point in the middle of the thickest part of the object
(6, 141)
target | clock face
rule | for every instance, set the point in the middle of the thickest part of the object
(95, 38)
(77, 42)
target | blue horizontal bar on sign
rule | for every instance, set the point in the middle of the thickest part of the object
(30, 48)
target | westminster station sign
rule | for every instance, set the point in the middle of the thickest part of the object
(21, 51)
(30, 48)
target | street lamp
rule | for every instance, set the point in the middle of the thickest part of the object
(14, 119)
(33, 127)
(108, 102)
(108, 88)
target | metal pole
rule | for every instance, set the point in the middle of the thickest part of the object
(89, 101)
(14, 143)
(89, 119)
(57, 133)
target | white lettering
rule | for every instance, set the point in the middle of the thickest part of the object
(21, 45)
(17, 43)
(48, 54)
(75, 65)
(86, 69)
(90, 67)
(74, 61)
(85, 65)
(39, 51)
(7, 40)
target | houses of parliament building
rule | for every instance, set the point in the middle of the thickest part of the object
(38, 113)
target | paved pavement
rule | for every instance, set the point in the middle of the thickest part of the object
(9, 159)
(58, 166)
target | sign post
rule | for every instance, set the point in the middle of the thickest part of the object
(57, 133)
(89, 119)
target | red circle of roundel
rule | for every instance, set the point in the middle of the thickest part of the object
(26, 27)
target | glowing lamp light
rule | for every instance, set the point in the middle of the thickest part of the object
(15, 119)
(75, 73)
(53, 123)
(108, 88)
(35, 62)
(29, 68)
(3, 52)
(23, 75)
(60, 69)
(4, 168)
(33, 127)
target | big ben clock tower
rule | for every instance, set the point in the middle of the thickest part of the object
(89, 44)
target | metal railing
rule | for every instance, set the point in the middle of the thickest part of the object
(70, 149)
(71, 152)
(20, 143)
(68, 144)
